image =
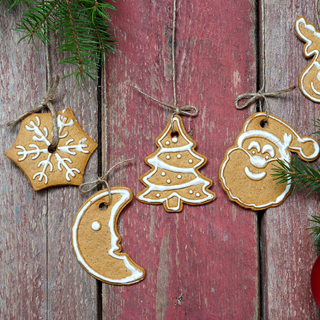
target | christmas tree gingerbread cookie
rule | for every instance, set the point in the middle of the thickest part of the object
(246, 171)
(175, 178)
(43, 167)
(96, 241)
(309, 79)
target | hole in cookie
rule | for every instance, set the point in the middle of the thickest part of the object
(174, 136)
(52, 149)
(103, 206)
(263, 123)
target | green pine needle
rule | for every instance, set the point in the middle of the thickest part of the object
(315, 232)
(302, 175)
(82, 28)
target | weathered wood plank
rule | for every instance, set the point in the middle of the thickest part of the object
(288, 253)
(23, 213)
(202, 262)
(72, 292)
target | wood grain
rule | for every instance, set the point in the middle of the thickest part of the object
(203, 262)
(23, 217)
(288, 253)
(72, 292)
(40, 277)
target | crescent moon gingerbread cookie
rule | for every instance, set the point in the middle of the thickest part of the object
(96, 241)
(245, 173)
(309, 79)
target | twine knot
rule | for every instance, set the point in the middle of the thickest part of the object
(101, 180)
(45, 101)
(258, 96)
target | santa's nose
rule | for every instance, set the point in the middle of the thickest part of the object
(258, 162)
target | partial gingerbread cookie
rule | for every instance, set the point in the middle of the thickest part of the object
(309, 79)
(175, 178)
(96, 241)
(245, 173)
(44, 169)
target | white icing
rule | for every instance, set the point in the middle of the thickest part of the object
(253, 152)
(167, 142)
(283, 148)
(179, 176)
(136, 274)
(168, 157)
(174, 139)
(179, 156)
(158, 195)
(95, 226)
(313, 88)
(313, 52)
(254, 144)
(42, 137)
(168, 181)
(197, 194)
(163, 174)
(254, 176)
(191, 192)
(190, 161)
(158, 164)
(63, 162)
(268, 148)
(45, 164)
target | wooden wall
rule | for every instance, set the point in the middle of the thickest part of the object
(216, 261)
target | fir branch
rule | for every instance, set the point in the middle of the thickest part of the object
(81, 27)
(75, 37)
(34, 21)
(315, 232)
(302, 175)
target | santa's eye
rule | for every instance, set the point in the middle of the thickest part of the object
(253, 152)
(267, 157)
(268, 148)
(254, 144)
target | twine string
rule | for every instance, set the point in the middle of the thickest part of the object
(261, 95)
(189, 111)
(101, 180)
(46, 102)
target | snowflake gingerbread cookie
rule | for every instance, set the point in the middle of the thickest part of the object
(309, 79)
(96, 241)
(175, 178)
(246, 171)
(64, 166)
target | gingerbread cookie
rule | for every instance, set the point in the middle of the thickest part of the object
(96, 241)
(175, 178)
(66, 165)
(309, 79)
(246, 171)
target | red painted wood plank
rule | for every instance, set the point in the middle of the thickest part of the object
(288, 252)
(202, 262)
(23, 212)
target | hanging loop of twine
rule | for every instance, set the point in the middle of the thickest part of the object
(45, 102)
(189, 111)
(101, 180)
(259, 96)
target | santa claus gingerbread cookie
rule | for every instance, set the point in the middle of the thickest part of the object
(246, 171)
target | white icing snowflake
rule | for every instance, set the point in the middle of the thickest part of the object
(59, 162)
